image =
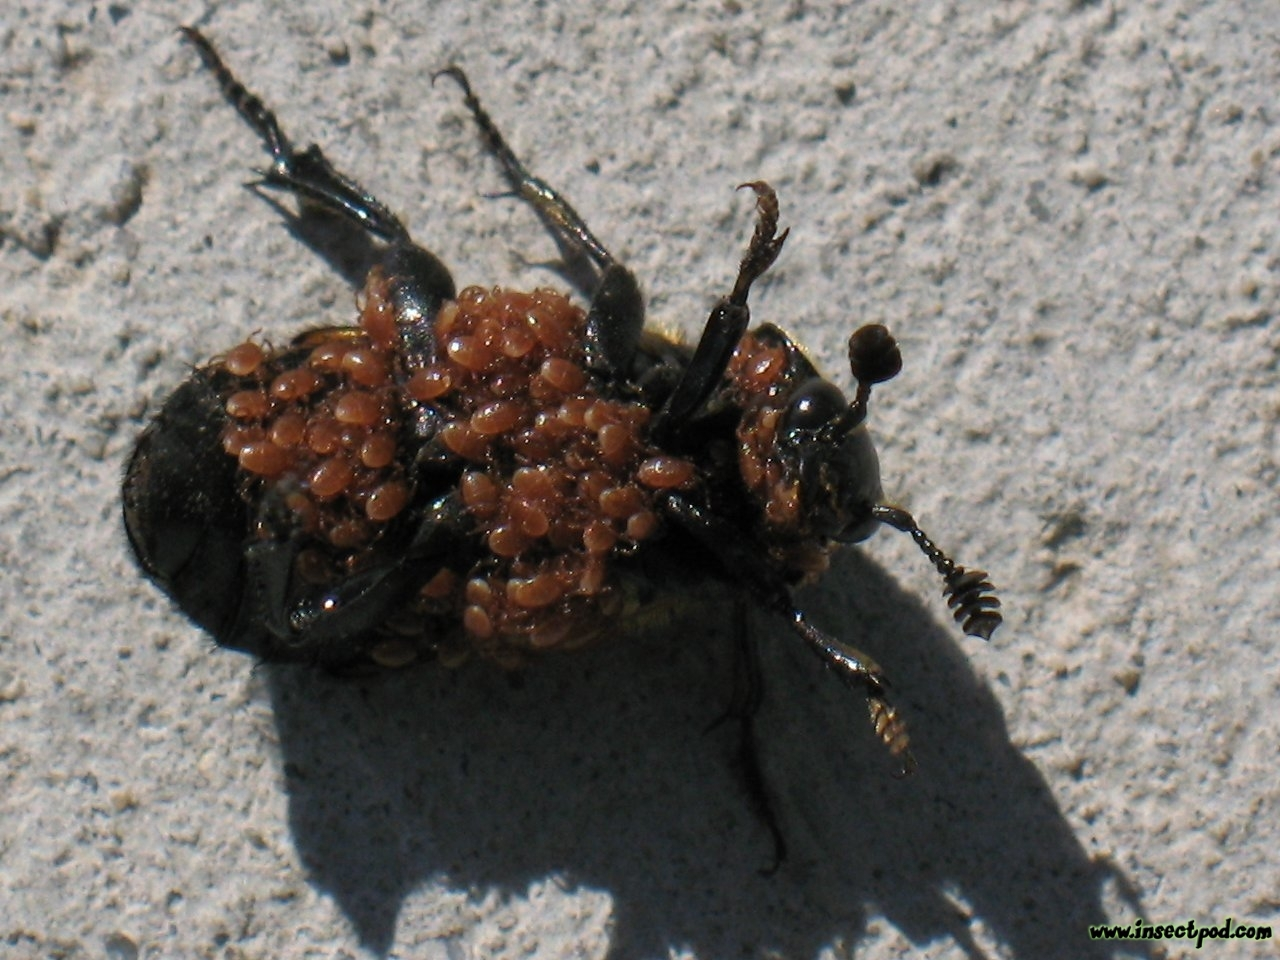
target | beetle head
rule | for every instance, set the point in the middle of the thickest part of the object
(824, 441)
(822, 438)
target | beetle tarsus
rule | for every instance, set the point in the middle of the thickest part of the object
(766, 242)
(255, 113)
(758, 791)
(892, 731)
(549, 202)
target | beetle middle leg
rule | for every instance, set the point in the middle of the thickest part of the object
(308, 173)
(748, 695)
(616, 315)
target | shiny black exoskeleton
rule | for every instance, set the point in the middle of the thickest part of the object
(230, 561)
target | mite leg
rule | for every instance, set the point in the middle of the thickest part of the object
(728, 320)
(616, 316)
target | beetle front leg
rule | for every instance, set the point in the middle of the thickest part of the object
(616, 315)
(744, 561)
(728, 321)
(859, 672)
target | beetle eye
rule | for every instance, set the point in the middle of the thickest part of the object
(815, 404)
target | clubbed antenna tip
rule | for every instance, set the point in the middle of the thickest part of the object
(969, 593)
(874, 357)
(972, 598)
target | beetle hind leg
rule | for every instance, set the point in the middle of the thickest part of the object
(419, 282)
(616, 316)
(307, 173)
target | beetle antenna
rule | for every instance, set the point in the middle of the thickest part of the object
(874, 357)
(969, 593)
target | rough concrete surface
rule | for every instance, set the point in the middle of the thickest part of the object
(1067, 212)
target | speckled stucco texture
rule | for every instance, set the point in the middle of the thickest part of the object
(1066, 212)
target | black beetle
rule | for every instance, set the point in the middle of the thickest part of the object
(502, 473)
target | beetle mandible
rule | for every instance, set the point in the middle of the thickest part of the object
(497, 473)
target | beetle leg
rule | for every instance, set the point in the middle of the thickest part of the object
(616, 315)
(728, 321)
(748, 696)
(858, 671)
(335, 625)
(550, 204)
(419, 282)
(614, 322)
(307, 173)
(748, 685)
(746, 563)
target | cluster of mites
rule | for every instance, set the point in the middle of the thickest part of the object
(759, 376)
(760, 383)
(555, 476)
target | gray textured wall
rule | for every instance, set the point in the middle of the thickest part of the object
(1066, 212)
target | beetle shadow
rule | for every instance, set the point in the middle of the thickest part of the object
(595, 771)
